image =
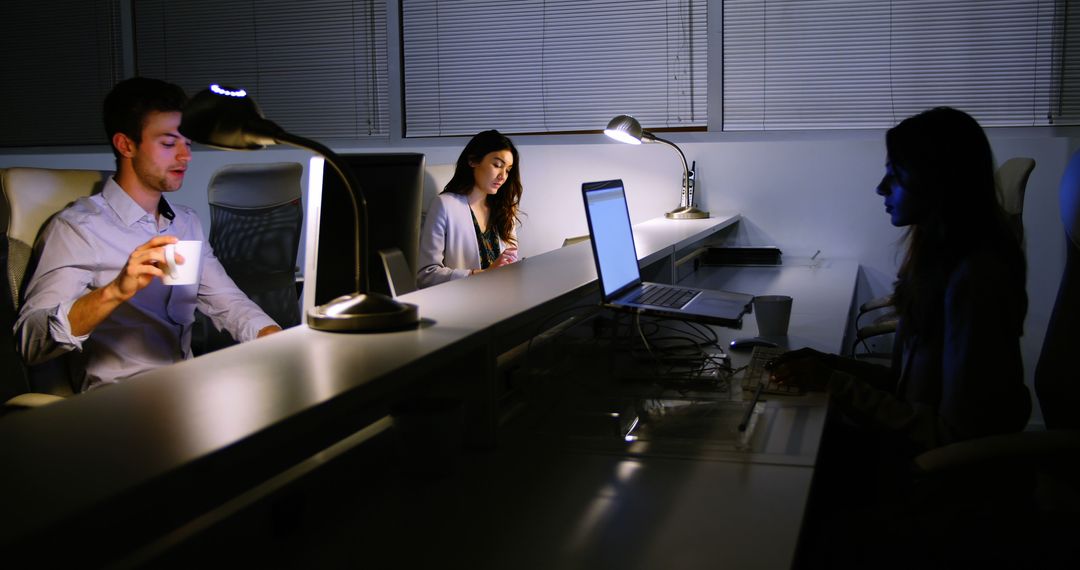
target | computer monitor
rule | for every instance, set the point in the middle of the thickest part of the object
(392, 185)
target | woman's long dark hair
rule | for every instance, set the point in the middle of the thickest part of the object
(504, 203)
(951, 168)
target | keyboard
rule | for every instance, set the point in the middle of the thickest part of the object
(660, 296)
(756, 373)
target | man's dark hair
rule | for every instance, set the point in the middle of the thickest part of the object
(131, 100)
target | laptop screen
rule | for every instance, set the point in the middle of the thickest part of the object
(612, 237)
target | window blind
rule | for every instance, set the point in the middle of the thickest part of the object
(59, 60)
(791, 64)
(316, 68)
(552, 65)
(1066, 107)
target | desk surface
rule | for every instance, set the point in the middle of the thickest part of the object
(821, 292)
(542, 508)
(560, 505)
(543, 500)
(227, 420)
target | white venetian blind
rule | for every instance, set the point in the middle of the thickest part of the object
(59, 60)
(318, 68)
(552, 65)
(792, 64)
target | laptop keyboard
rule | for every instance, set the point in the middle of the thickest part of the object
(660, 296)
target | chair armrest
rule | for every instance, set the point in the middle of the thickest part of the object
(878, 303)
(887, 326)
(1023, 447)
(31, 400)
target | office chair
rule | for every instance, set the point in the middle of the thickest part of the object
(884, 323)
(1011, 179)
(255, 222)
(29, 197)
(574, 239)
(399, 276)
(1057, 375)
(1035, 474)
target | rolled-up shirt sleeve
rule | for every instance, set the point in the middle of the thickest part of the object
(42, 330)
(225, 304)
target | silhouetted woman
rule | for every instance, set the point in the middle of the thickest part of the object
(956, 372)
(470, 226)
(959, 294)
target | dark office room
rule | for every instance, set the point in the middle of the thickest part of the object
(647, 284)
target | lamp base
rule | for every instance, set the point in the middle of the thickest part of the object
(686, 213)
(363, 312)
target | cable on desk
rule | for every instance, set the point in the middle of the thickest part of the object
(645, 341)
(687, 361)
(685, 356)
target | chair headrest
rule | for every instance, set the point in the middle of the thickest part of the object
(31, 195)
(1069, 198)
(248, 186)
(1012, 178)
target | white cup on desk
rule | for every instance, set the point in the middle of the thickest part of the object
(773, 312)
(186, 273)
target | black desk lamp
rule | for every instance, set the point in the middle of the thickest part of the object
(627, 129)
(227, 118)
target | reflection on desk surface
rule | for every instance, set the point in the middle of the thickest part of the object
(690, 428)
(654, 389)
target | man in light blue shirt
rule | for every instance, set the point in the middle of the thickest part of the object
(97, 289)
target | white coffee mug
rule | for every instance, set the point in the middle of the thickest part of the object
(773, 313)
(186, 273)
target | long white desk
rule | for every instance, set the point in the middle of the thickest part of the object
(547, 499)
(549, 502)
(110, 470)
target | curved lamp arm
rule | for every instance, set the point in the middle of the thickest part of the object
(686, 198)
(227, 118)
(360, 254)
(627, 129)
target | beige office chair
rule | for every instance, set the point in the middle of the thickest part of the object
(1011, 179)
(29, 197)
(575, 239)
(884, 322)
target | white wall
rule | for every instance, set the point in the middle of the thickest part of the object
(801, 192)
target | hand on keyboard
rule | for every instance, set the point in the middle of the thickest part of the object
(758, 372)
(805, 368)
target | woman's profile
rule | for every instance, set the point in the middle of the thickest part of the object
(471, 226)
(956, 370)
(960, 296)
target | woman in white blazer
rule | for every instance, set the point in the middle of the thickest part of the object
(470, 226)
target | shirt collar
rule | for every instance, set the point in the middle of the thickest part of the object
(125, 207)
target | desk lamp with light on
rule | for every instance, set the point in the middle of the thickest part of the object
(627, 129)
(226, 118)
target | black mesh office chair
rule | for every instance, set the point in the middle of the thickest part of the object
(255, 222)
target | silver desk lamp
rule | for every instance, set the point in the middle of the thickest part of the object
(627, 129)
